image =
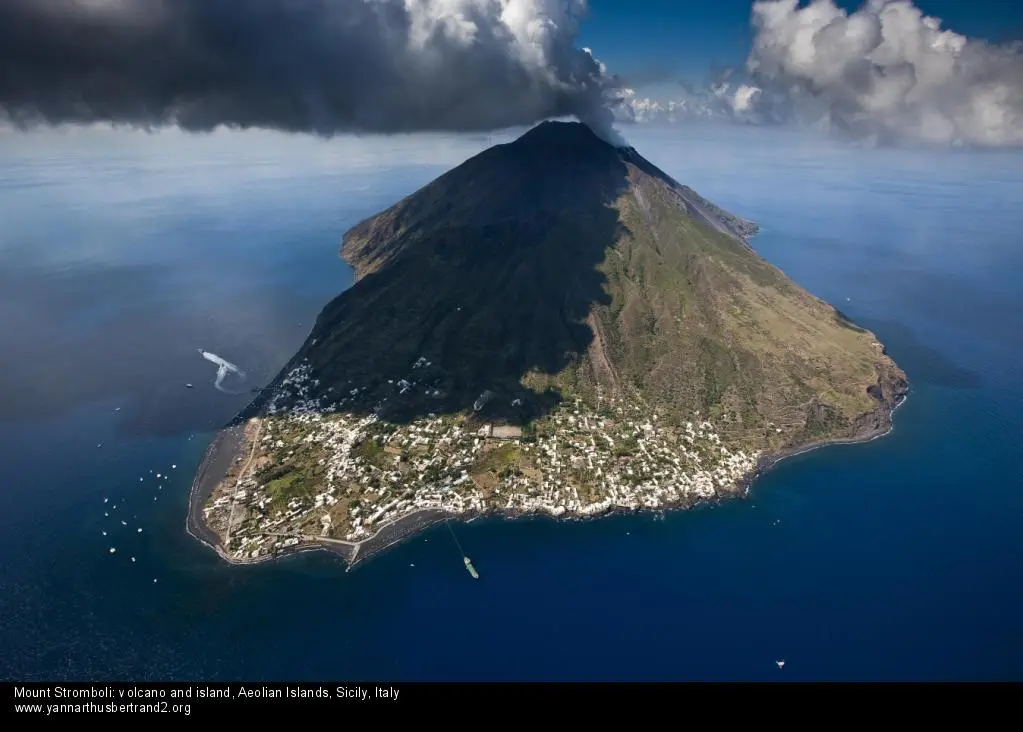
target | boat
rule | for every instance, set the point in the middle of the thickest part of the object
(472, 569)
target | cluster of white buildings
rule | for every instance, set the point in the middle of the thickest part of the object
(574, 462)
(589, 464)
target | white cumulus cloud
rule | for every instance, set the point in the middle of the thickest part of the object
(888, 72)
(885, 73)
(721, 101)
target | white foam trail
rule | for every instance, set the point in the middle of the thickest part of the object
(223, 369)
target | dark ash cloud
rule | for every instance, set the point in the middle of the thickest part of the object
(318, 66)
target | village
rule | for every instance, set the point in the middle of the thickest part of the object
(312, 473)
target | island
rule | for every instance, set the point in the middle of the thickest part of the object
(555, 327)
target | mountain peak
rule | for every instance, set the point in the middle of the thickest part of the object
(561, 137)
(555, 171)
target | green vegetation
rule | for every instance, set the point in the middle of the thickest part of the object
(627, 447)
(291, 485)
(821, 421)
(295, 471)
(369, 450)
(499, 459)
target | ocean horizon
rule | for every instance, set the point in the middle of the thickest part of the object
(122, 254)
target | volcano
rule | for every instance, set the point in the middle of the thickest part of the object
(604, 335)
(559, 264)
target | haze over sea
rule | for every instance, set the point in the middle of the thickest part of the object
(120, 255)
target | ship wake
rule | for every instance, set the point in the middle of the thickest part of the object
(224, 369)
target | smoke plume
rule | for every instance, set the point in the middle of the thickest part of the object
(318, 66)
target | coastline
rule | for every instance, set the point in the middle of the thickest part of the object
(225, 446)
(767, 462)
(222, 451)
(228, 444)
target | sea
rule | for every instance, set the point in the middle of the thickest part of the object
(122, 253)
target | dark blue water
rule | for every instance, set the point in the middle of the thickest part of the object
(121, 254)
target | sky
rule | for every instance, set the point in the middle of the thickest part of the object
(887, 72)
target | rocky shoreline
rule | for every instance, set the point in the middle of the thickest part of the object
(868, 434)
(228, 444)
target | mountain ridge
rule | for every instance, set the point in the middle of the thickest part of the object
(553, 140)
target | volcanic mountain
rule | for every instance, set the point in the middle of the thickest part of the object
(554, 326)
(560, 266)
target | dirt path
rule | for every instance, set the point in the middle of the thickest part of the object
(597, 352)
